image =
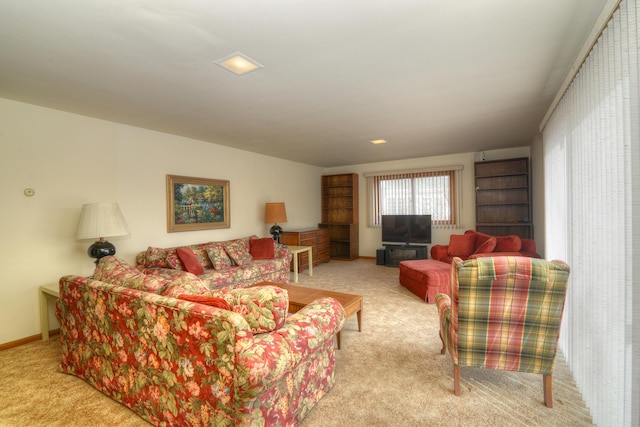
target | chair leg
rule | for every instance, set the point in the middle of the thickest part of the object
(548, 390)
(444, 349)
(456, 380)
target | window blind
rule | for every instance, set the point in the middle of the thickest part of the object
(433, 192)
(592, 192)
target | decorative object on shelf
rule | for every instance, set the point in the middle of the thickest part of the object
(100, 220)
(197, 204)
(273, 214)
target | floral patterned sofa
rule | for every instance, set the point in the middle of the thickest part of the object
(177, 353)
(232, 263)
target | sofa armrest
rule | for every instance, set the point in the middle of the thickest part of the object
(438, 252)
(270, 356)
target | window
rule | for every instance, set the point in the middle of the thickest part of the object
(421, 192)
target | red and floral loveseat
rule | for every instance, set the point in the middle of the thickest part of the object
(232, 263)
(225, 358)
(473, 244)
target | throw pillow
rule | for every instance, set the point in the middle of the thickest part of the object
(262, 248)
(263, 307)
(206, 300)
(174, 260)
(238, 250)
(155, 258)
(509, 243)
(189, 260)
(461, 245)
(488, 246)
(219, 257)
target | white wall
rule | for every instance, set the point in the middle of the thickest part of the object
(371, 238)
(70, 160)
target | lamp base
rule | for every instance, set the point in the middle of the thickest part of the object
(100, 249)
(275, 232)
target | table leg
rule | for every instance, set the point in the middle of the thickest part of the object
(295, 268)
(310, 262)
(44, 316)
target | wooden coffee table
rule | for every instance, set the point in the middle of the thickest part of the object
(300, 296)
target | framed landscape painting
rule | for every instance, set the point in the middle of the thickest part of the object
(197, 203)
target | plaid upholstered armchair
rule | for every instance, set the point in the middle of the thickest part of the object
(504, 313)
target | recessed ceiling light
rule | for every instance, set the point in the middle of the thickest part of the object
(378, 141)
(239, 63)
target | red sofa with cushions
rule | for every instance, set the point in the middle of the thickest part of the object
(428, 277)
(473, 244)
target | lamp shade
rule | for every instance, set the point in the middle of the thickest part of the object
(274, 213)
(99, 220)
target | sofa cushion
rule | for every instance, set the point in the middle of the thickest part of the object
(238, 250)
(263, 307)
(262, 248)
(156, 258)
(190, 261)
(487, 246)
(461, 245)
(185, 283)
(207, 300)
(115, 271)
(219, 257)
(511, 243)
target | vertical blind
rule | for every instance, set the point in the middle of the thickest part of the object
(592, 187)
(432, 192)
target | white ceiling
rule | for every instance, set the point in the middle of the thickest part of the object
(430, 76)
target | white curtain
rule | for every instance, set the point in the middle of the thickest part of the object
(592, 188)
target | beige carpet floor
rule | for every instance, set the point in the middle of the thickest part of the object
(390, 374)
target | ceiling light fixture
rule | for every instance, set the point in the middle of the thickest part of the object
(238, 63)
(378, 141)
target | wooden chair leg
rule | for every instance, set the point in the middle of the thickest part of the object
(548, 390)
(456, 380)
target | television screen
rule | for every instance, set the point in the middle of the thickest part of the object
(406, 229)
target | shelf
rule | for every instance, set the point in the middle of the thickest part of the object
(340, 214)
(503, 198)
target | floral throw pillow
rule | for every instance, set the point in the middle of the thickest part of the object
(156, 258)
(219, 257)
(238, 250)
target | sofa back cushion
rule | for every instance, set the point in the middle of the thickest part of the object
(511, 243)
(461, 245)
(156, 258)
(115, 271)
(487, 246)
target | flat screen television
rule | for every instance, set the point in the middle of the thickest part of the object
(406, 229)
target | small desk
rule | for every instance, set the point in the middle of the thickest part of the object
(46, 292)
(295, 250)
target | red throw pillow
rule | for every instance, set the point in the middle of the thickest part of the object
(262, 248)
(206, 300)
(461, 245)
(190, 261)
(488, 246)
(509, 243)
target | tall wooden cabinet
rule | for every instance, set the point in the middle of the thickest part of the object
(340, 214)
(317, 238)
(503, 197)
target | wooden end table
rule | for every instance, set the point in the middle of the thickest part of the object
(300, 296)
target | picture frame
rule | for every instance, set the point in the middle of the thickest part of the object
(197, 204)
